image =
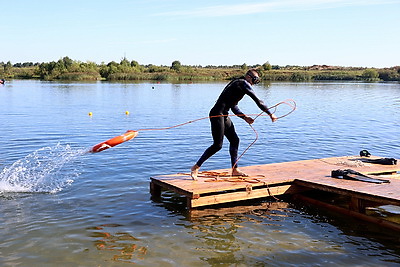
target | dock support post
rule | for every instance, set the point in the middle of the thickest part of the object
(357, 205)
(189, 203)
(155, 190)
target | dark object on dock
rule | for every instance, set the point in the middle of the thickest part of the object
(365, 153)
(353, 175)
(383, 161)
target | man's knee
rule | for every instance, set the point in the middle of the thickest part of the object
(216, 147)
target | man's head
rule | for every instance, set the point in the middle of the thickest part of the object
(252, 76)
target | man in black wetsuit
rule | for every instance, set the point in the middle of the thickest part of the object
(221, 124)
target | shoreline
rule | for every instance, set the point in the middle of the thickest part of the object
(69, 70)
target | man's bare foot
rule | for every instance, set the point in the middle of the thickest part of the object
(237, 172)
(194, 171)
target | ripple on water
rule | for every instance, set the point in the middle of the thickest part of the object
(100, 211)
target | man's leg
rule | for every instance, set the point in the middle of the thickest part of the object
(234, 140)
(217, 130)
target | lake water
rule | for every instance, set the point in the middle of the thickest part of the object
(61, 206)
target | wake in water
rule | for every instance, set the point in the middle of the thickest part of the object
(40, 171)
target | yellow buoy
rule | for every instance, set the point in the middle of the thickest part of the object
(90, 113)
(126, 112)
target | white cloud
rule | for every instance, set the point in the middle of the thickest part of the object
(273, 6)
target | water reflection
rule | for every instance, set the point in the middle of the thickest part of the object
(257, 234)
(264, 209)
(220, 230)
(123, 244)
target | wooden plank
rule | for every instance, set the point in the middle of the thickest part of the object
(187, 186)
(238, 196)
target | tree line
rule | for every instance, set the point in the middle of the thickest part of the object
(67, 69)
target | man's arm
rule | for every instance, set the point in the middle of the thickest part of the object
(249, 91)
(240, 114)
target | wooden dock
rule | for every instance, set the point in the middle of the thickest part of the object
(271, 180)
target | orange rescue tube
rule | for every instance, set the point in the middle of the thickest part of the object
(114, 141)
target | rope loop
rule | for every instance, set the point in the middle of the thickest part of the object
(289, 102)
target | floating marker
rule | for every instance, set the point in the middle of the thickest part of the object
(90, 114)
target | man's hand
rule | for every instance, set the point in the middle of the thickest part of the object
(249, 120)
(273, 117)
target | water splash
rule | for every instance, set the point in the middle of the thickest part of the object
(40, 171)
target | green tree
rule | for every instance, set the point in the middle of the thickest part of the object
(67, 62)
(176, 65)
(124, 66)
(244, 66)
(8, 67)
(60, 67)
(266, 66)
(107, 70)
(370, 74)
(388, 75)
(135, 64)
(124, 62)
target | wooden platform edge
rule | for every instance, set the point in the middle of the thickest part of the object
(157, 185)
(355, 214)
(249, 194)
(354, 194)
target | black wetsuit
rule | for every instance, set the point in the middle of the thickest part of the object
(222, 125)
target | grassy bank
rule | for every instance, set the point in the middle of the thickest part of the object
(67, 69)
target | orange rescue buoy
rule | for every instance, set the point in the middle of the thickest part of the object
(114, 141)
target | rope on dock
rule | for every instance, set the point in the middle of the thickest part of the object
(213, 176)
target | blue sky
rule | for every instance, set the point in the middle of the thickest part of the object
(361, 33)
